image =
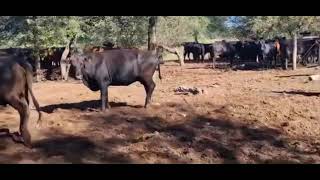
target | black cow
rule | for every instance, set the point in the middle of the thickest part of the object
(197, 50)
(208, 48)
(268, 53)
(223, 49)
(119, 67)
(51, 57)
(15, 85)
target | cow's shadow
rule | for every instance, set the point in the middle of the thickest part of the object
(85, 105)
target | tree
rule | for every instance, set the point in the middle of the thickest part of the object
(152, 32)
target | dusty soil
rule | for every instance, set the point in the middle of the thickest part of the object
(243, 117)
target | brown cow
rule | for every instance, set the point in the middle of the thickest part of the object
(15, 84)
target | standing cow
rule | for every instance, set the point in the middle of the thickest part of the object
(119, 67)
(196, 49)
(15, 84)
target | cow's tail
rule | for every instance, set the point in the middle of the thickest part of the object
(160, 60)
(160, 77)
(35, 102)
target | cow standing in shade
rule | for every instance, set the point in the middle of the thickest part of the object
(15, 84)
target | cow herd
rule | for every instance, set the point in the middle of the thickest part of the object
(265, 52)
(101, 67)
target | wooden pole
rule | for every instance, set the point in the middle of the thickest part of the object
(318, 52)
(294, 58)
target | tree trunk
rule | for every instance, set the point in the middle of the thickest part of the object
(294, 58)
(36, 47)
(64, 62)
(196, 37)
(37, 61)
(152, 32)
(318, 53)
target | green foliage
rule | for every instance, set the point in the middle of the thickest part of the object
(271, 26)
(125, 31)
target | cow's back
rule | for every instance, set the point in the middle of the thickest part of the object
(12, 76)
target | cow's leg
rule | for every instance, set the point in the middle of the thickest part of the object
(149, 86)
(22, 107)
(213, 62)
(231, 61)
(275, 62)
(211, 55)
(104, 97)
(285, 63)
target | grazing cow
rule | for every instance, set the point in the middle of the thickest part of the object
(15, 85)
(119, 67)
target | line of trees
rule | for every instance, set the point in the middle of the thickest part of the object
(134, 31)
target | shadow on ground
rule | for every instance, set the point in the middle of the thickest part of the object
(141, 137)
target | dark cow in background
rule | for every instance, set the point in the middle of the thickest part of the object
(51, 57)
(196, 49)
(307, 50)
(268, 53)
(16, 76)
(222, 50)
(119, 67)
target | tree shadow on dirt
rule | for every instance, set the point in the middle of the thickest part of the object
(65, 148)
(194, 137)
(78, 150)
(303, 93)
(212, 139)
(85, 105)
(71, 148)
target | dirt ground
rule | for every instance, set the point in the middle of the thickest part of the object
(243, 117)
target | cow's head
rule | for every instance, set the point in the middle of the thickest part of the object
(77, 62)
(83, 65)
